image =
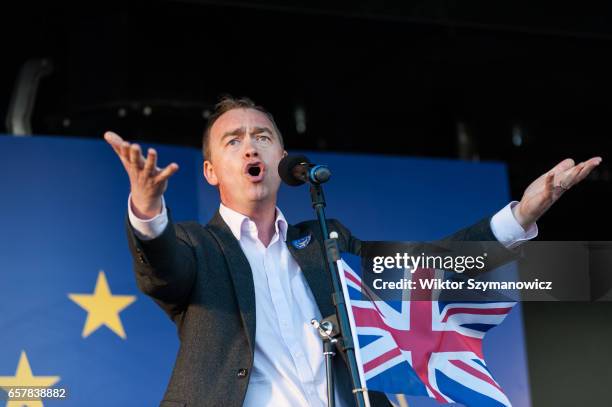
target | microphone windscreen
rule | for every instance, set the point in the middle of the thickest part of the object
(286, 166)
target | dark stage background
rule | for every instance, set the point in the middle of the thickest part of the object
(521, 82)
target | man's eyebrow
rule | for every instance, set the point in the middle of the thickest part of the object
(257, 130)
(239, 131)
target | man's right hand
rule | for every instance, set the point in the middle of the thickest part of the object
(148, 182)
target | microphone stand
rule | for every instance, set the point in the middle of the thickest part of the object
(326, 332)
(332, 255)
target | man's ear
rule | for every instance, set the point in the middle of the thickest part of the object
(209, 173)
(285, 153)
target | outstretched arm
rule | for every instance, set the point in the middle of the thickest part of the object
(165, 263)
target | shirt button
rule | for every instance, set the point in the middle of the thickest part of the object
(242, 372)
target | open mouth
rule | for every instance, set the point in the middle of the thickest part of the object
(255, 171)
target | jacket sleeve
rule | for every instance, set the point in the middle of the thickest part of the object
(165, 267)
(478, 238)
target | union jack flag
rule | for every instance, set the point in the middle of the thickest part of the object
(422, 347)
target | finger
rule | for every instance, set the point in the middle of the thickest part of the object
(136, 158)
(115, 142)
(551, 190)
(151, 162)
(563, 166)
(113, 138)
(167, 172)
(596, 158)
(125, 151)
(543, 200)
(116, 148)
(565, 180)
(588, 167)
(549, 183)
(594, 161)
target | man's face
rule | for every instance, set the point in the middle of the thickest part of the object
(244, 155)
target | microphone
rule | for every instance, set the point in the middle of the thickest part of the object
(295, 170)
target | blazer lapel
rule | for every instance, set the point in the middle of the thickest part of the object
(240, 271)
(310, 260)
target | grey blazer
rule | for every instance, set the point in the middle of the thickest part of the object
(201, 278)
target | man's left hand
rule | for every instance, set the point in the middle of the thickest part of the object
(548, 188)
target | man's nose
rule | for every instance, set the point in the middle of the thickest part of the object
(249, 149)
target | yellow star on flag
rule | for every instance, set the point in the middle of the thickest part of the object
(102, 307)
(24, 378)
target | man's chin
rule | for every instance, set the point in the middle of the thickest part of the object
(259, 192)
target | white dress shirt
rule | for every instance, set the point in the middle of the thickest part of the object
(289, 369)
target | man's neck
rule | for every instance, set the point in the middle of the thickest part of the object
(263, 214)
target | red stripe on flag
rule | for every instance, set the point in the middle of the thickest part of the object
(479, 311)
(349, 276)
(365, 291)
(474, 372)
(381, 359)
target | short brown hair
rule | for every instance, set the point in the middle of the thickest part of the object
(225, 104)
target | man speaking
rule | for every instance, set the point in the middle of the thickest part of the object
(240, 293)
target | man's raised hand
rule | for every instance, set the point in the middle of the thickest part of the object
(148, 182)
(542, 193)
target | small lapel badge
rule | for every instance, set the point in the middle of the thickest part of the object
(302, 242)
